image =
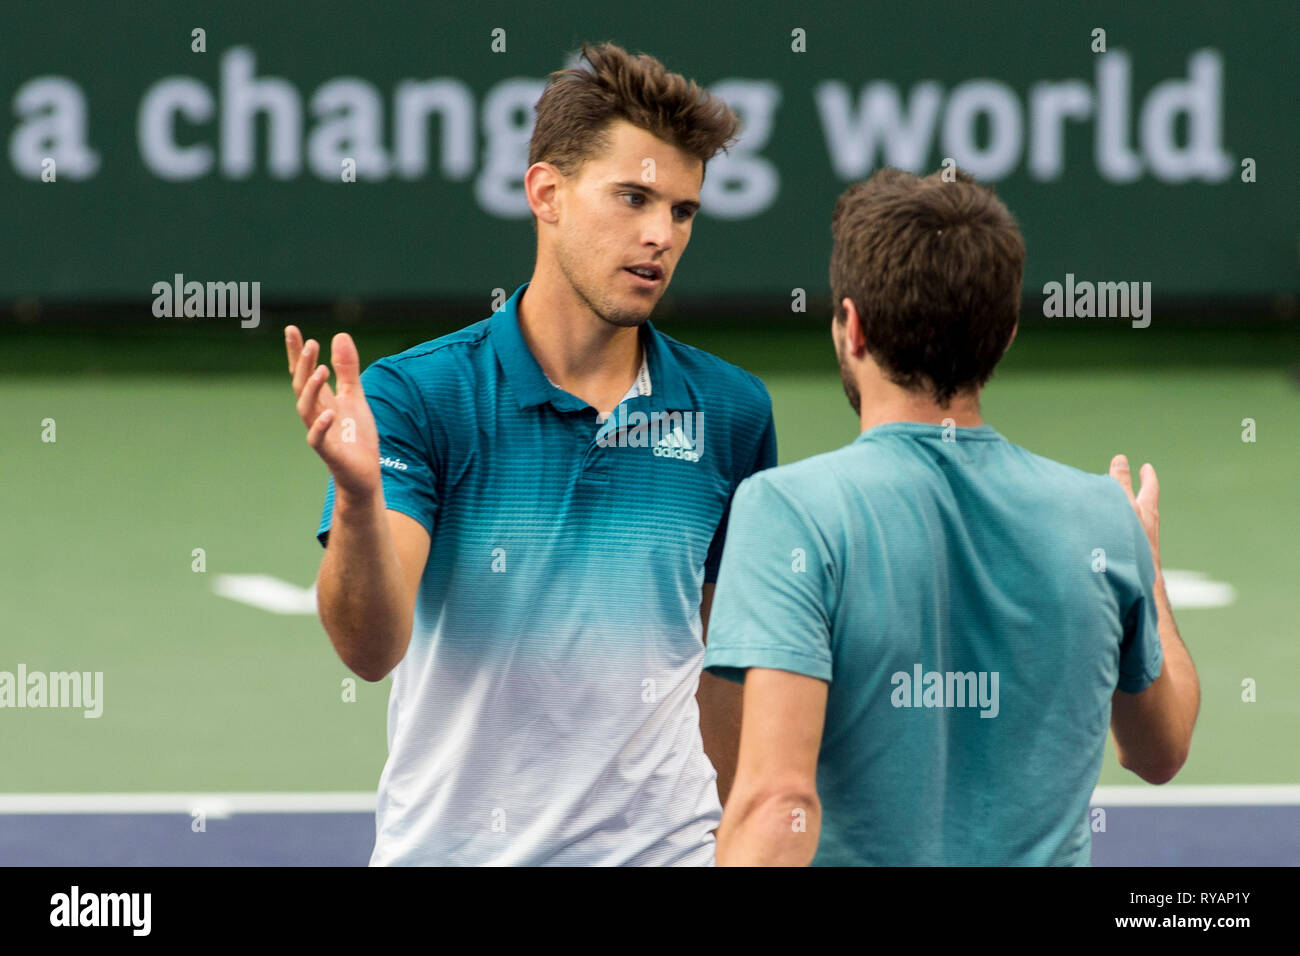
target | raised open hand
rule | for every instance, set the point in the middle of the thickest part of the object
(1145, 503)
(339, 426)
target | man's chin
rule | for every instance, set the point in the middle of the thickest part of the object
(630, 317)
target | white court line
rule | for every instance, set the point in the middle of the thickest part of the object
(1199, 795)
(212, 804)
(226, 804)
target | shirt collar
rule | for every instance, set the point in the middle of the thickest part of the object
(529, 382)
(640, 388)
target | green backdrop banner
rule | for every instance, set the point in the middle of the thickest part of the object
(1135, 142)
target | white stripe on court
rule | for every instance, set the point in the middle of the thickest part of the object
(267, 592)
(226, 804)
(211, 804)
(1187, 589)
(1199, 795)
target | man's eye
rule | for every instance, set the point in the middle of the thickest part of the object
(686, 213)
(636, 196)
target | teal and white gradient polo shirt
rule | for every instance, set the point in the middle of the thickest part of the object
(545, 710)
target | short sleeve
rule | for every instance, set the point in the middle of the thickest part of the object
(406, 463)
(772, 607)
(1140, 654)
(764, 457)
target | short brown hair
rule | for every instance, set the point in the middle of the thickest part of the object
(577, 106)
(934, 268)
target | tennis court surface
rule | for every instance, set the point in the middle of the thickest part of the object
(165, 540)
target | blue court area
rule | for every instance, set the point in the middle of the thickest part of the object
(1134, 836)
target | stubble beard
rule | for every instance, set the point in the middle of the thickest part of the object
(851, 390)
(607, 311)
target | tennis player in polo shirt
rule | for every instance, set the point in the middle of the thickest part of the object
(934, 626)
(524, 518)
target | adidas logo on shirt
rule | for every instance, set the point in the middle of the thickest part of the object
(675, 444)
(674, 434)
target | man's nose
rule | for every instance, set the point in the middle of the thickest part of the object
(659, 228)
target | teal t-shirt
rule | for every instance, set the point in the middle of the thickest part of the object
(973, 607)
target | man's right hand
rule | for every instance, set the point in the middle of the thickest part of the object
(1153, 727)
(1146, 502)
(339, 427)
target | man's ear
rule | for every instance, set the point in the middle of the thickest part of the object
(855, 338)
(1014, 329)
(541, 186)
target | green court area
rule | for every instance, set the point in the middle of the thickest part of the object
(168, 444)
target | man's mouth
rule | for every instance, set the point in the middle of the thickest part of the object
(646, 272)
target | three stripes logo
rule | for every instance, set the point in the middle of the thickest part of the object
(678, 435)
(676, 444)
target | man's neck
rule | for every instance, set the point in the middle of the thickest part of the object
(899, 406)
(577, 350)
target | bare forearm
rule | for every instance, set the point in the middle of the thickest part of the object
(720, 715)
(359, 591)
(772, 831)
(1178, 662)
(1153, 729)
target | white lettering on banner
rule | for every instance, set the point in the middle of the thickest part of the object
(884, 132)
(249, 122)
